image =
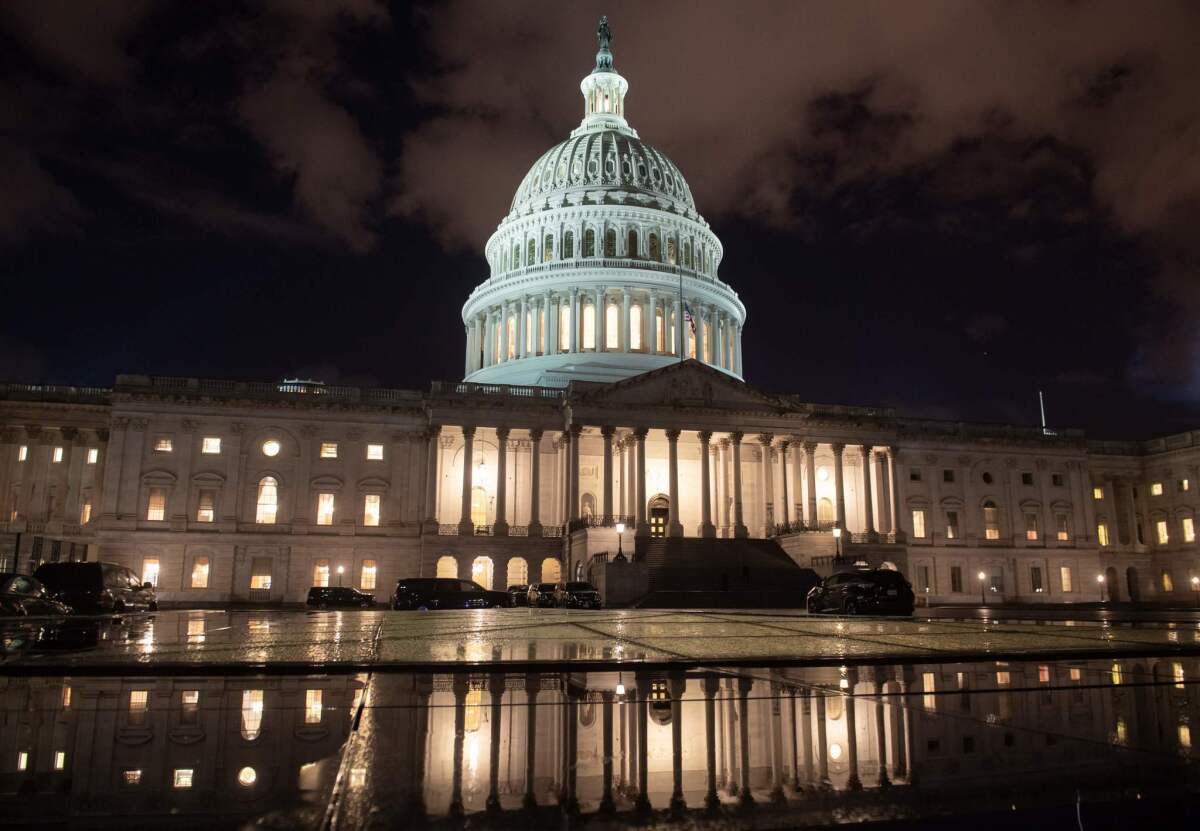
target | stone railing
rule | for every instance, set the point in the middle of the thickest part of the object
(54, 392)
(296, 390)
(577, 263)
(467, 389)
(451, 530)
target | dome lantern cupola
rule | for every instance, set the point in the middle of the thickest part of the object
(604, 90)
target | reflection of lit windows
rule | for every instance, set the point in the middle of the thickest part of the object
(195, 630)
(371, 509)
(358, 777)
(66, 697)
(1185, 736)
(1003, 679)
(312, 706)
(473, 714)
(1168, 584)
(247, 776)
(367, 583)
(1178, 674)
(325, 509)
(1121, 734)
(252, 713)
(310, 776)
(928, 684)
(132, 776)
(183, 778)
(1043, 674)
(1116, 674)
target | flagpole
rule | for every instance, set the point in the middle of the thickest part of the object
(679, 323)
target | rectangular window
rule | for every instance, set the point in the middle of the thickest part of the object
(1068, 580)
(150, 571)
(260, 581)
(1160, 532)
(139, 701)
(1056, 479)
(206, 506)
(956, 583)
(56, 455)
(23, 760)
(914, 474)
(1168, 584)
(367, 583)
(1156, 489)
(374, 452)
(60, 759)
(1178, 674)
(918, 523)
(312, 707)
(210, 445)
(325, 509)
(1185, 736)
(929, 687)
(85, 513)
(1043, 674)
(1003, 678)
(321, 574)
(157, 506)
(200, 573)
(1184, 485)
(182, 778)
(951, 525)
(329, 450)
(659, 329)
(189, 709)
(1062, 524)
(923, 582)
(1102, 533)
(22, 453)
(1035, 578)
(947, 475)
(1031, 527)
(93, 455)
(1189, 529)
(1097, 494)
(163, 444)
(132, 776)
(1027, 479)
(371, 509)
(635, 327)
(66, 697)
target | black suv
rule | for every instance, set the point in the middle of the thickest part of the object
(337, 597)
(96, 588)
(425, 593)
(865, 591)
(541, 595)
(518, 595)
(576, 596)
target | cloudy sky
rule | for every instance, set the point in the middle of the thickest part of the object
(936, 206)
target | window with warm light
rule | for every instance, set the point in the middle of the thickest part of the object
(85, 513)
(23, 760)
(182, 777)
(612, 326)
(371, 509)
(206, 505)
(1031, 528)
(374, 452)
(1097, 493)
(564, 327)
(252, 714)
(56, 455)
(321, 574)
(150, 571)
(139, 702)
(210, 445)
(1043, 674)
(929, 686)
(93, 455)
(270, 447)
(66, 696)
(313, 708)
(22, 453)
(635, 326)
(589, 327)
(660, 331)
(200, 566)
(260, 582)
(267, 506)
(918, 523)
(156, 508)
(329, 450)
(132, 776)
(1189, 529)
(1160, 532)
(325, 509)
(1003, 678)
(1102, 533)
(1067, 577)
(367, 580)
(1168, 583)
(1185, 485)
(163, 444)
(1156, 489)
(1062, 527)
(247, 776)
(189, 706)
(951, 525)
(991, 521)
(1117, 674)
(510, 337)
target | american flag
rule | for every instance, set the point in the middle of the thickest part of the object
(687, 315)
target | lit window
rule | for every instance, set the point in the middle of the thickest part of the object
(267, 507)
(612, 326)
(270, 447)
(367, 583)
(918, 523)
(1189, 529)
(139, 700)
(200, 573)
(1156, 489)
(325, 509)
(247, 776)
(210, 445)
(1160, 531)
(991, 521)
(163, 445)
(371, 509)
(56, 455)
(195, 630)
(564, 327)
(1031, 527)
(1076, 674)
(1168, 584)
(1068, 581)
(132, 776)
(1185, 736)
(1043, 674)
(329, 450)
(66, 697)
(261, 582)
(23, 760)
(928, 681)
(1063, 531)
(93, 455)
(1117, 674)
(589, 327)
(85, 513)
(635, 326)
(1097, 493)
(1185, 485)
(374, 452)
(321, 574)
(150, 572)
(312, 706)
(22, 453)
(60, 759)
(252, 713)
(1102, 533)
(1003, 678)
(182, 778)
(1179, 676)
(206, 506)
(951, 524)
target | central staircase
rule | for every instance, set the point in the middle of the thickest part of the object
(691, 572)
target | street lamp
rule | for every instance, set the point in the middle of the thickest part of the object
(1100, 580)
(982, 596)
(837, 543)
(341, 571)
(620, 531)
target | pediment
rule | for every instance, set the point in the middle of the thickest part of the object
(686, 384)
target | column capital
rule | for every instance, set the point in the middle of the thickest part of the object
(673, 435)
(533, 684)
(765, 439)
(575, 429)
(810, 446)
(892, 450)
(705, 436)
(711, 684)
(502, 433)
(535, 434)
(639, 433)
(736, 438)
(838, 447)
(865, 450)
(607, 431)
(468, 432)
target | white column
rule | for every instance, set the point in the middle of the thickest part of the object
(500, 526)
(701, 317)
(892, 453)
(722, 488)
(600, 315)
(768, 476)
(675, 528)
(649, 312)
(522, 335)
(839, 486)
(575, 301)
(467, 350)
(626, 329)
(707, 529)
(465, 526)
(573, 475)
(737, 350)
(810, 481)
(677, 320)
(535, 483)
(868, 503)
(606, 435)
(887, 516)
(639, 503)
(739, 524)
(543, 326)
(785, 498)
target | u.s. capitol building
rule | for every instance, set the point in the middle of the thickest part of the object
(603, 387)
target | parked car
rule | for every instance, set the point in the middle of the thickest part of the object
(541, 595)
(97, 588)
(863, 591)
(518, 595)
(338, 597)
(425, 593)
(576, 596)
(22, 595)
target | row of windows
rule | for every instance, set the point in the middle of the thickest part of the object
(57, 454)
(211, 445)
(1162, 531)
(266, 506)
(993, 581)
(991, 524)
(686, 254)
(1058, 480)
(1156, 489)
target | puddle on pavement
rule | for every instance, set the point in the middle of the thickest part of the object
(934, 745)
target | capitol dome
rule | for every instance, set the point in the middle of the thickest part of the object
(603, 268)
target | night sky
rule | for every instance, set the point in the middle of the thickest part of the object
(939, 207)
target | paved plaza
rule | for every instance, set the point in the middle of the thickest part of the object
(291, 641)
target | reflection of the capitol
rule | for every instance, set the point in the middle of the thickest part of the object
(794, 739)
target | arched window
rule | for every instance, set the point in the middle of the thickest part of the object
(825, 510)
(268, 501)
(548, 249)
(708, 344)
(991, 520)
(635, 326)
(530, 253)
(588, 505)
(589, 327)
(529, 332)
(691, 342)
(568, 246)
(481, 572)
(564, 327)
(551, 570)
(200, 569)
(518, 572)
(321, 573)
(631, 244)
(612, 326)
(655, 248)
(479, 506)
(671, 251)
(660, 331)
(589, 243)
(510, 337)
(447, 566)
(516, 255)
(687, 254)
(610, 243)
(252, 713)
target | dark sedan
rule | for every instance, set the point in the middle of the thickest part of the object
(577, 595)
(518, 595)
(863, 592)
(541, 595)
(339, 597)
(427, 593)
(22, 595)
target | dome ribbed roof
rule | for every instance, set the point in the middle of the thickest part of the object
(602, 159)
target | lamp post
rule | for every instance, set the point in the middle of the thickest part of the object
(341, 571)
(982, 596)
(620, 531)
(837, 544)
(1100, 581)
(1196, 588)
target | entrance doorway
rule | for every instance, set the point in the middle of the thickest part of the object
(660, 512)
(1131, 583)
(1111, 587)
